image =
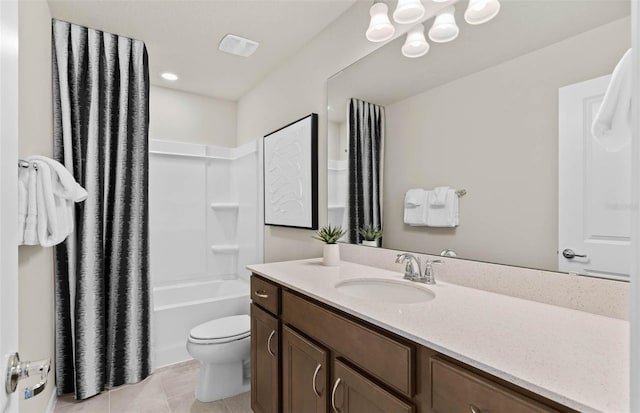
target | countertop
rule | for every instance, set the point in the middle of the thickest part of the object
(575, 358)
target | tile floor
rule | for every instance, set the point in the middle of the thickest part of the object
(168, 390)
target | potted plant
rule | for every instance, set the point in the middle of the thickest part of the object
(370, 235)
(330, 236)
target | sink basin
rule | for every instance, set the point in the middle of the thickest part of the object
(392, 291)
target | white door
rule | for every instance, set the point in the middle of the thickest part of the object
(594, 217)
(8, 194)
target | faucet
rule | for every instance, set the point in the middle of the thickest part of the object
(410, 272)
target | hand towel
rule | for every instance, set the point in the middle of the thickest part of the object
(23, 201)
(612, 124)
(415, 207)
(30, 235)
(438, 196)
(444, 215)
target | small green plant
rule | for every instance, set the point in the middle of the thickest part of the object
(370, 233)
(329, 234)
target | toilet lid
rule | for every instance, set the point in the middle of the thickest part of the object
(223, 329)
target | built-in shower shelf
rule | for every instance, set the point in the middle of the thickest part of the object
(225, 205)
(225, 249)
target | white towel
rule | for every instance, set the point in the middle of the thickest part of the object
(612, 124)
(23, 201)
(30, 235)
(51, 192)
(438, 196)
(415, 207)
(443, 215)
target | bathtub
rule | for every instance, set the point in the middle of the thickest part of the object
(180, 307)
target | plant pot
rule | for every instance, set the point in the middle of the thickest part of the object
(331, 255)
(370, 243)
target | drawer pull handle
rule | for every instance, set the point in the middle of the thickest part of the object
(333, 395)
(269, 343)
(261, 294)
(313, 381)
(474, 409)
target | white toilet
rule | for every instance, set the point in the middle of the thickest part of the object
(223, 347)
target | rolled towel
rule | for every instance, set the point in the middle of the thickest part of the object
(438, 197)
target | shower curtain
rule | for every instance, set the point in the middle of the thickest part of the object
(101, 122)
(366, 149)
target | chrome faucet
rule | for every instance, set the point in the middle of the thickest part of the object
(410, 272)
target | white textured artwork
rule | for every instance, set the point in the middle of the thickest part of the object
(290, 184)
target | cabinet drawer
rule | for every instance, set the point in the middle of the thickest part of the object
(265, 294)
(454, 389)
(388, 360)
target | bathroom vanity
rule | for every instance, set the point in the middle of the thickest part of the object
(318, 348)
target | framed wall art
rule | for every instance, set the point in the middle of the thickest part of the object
(291, 175)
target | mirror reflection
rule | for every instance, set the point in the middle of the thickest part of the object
(492, 134)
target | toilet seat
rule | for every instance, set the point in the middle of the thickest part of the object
(221, 330)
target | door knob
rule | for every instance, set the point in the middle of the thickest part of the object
(18, 370)
(570, 254)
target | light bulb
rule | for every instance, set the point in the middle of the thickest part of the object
(380, 28)
(444, 27)
(169, 76)
(408, 11)
(416, 45)
(481, 11)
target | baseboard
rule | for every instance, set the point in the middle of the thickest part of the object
(51, 406)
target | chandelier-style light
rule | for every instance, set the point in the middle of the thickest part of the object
(481, 11)
(408, 11)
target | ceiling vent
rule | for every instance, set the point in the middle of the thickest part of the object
(238, 45)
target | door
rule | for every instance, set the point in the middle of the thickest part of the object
(8, 194)
(265, 378)
(304, 374)
(594, 219)
(354, 393)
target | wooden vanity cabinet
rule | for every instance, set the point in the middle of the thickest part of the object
(330, 361)
(304, 374)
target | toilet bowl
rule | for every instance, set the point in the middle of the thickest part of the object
(223, 347)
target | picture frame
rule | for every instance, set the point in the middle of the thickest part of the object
(291, 175)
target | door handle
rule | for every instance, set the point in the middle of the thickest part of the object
(269, 343)
(570, 254)
(18, 370)
(313, 381)
(333, 395)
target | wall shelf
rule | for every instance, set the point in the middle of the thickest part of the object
(225, 249)
(225, 205)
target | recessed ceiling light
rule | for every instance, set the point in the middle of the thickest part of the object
(237, 45)
(169, 76)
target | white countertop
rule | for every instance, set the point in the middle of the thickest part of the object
(576, 358)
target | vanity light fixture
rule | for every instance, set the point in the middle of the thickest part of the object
(169, 76)
(444, 27)
(416, 45)
(380, 27)
(481, 11)
(408, 11)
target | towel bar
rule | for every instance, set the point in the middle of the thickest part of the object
(461, 192)
(25, 164)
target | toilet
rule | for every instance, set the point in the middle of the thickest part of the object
(223, 347)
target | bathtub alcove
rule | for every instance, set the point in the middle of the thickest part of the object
(205, 226)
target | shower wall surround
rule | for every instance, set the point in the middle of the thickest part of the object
(206, 225)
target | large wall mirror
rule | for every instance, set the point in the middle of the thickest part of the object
(504, 113)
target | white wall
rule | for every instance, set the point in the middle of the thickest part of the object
(458, 134)
(187, 117)
(294, 90)
(36, 288)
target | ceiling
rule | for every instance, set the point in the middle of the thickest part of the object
(182, 36)
(385, 76)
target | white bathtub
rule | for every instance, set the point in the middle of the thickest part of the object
(180, 307)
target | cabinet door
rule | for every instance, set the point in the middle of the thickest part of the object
(265, 379)
(304, 374)
(353, 393)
